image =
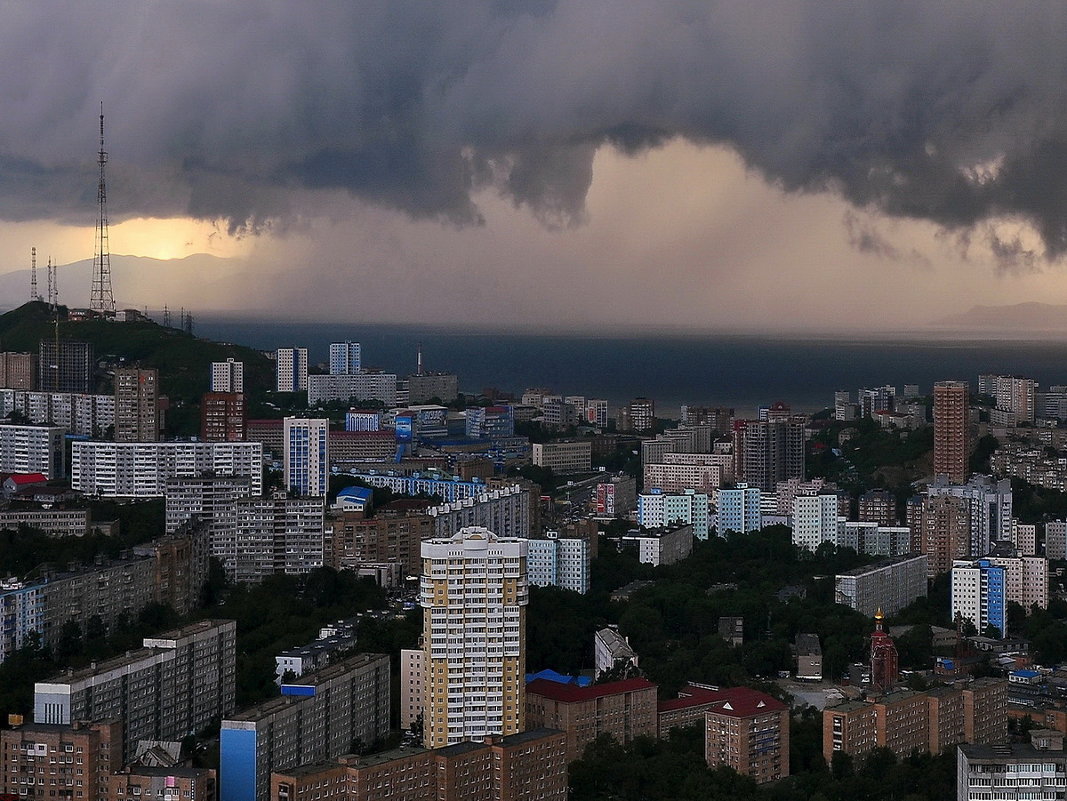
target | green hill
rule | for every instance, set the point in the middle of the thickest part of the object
(183, 360)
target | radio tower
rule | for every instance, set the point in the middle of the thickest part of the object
(101, 300)
(33, 275)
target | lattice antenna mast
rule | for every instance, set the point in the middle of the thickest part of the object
(51, 283)
(100, 299)
(33, 275)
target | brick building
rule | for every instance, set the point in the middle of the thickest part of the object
(529, 766)
(62, 758)
(748, 731)
(624, 709)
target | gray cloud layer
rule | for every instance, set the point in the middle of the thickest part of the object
(951, 111)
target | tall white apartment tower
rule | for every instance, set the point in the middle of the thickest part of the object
(305, 442)
(228, 376)
(473, 592)
(292, 366)
(345, 358)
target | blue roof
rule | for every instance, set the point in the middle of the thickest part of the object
(550, 675)
(1026, 674)
(361, 493)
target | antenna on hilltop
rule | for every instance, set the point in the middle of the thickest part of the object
(418, 361)
(33, 275)
(53, 287)
(166, 316)
(100, 298)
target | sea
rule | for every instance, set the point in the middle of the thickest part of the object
(742, 371)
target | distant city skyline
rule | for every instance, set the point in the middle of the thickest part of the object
(581, 165)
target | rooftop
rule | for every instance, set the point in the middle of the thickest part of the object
(569, 693)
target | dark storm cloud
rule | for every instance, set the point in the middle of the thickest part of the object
(951, 112)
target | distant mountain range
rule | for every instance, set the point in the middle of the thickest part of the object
(1020, 316)
(136, 281)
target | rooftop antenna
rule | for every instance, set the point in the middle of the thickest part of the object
(101, 300)
(418, 367)
(33, 275)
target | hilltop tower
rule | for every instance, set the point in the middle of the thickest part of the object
(101, 300)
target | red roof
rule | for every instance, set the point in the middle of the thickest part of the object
(571, 692)
(691, 695)
(28, 478)
(743, 702)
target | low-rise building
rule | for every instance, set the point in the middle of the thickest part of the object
(563, 457)
(663, 546)
(612, 652)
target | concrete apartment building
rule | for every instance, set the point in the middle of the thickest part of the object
(228, 376)
(332, 640)
(179, 682)
(474, 592)
(73, 760)
(739, 510)
(564, 457)
(658, 509)
(141, 469)
(748, 731)
(56, 522)
(906, 721)
(170, 570)
(261, 536)
(558, 561)
(871, 538)
(529, 766)
(32, 449)
(291, 365)
(979, 595)
(352, 386)
(624, 709)
(317, 717)
(951, 430)
(206, 497)
(814, 520)
(705, 472)
(662, 546)
(306, 455)
(411, 687)
(889, 585)
(1025, 580)
(137, 417)
(80, 414)
(1013, 771)
(503, 509)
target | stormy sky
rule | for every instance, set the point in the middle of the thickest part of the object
(658, 162)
